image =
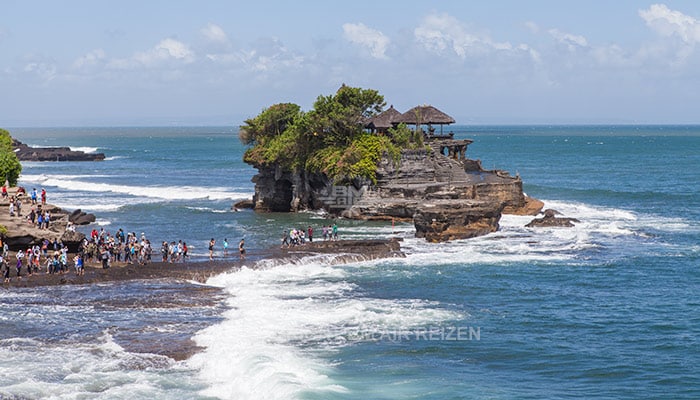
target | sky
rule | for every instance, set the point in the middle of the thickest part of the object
(217, 62)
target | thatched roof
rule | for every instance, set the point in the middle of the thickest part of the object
(421, 115)
(384, 119)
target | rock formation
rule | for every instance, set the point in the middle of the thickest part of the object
(78, 217)
(22, 234)
(446, 195)
(443, 220)
(26, 153)
(550, 219)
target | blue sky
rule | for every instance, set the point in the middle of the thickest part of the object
(212, 62)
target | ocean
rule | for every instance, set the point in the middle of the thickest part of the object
(608, 309)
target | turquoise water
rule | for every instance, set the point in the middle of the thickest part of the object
(607, 309)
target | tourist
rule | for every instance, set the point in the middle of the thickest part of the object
(241, 249)
(335, 231)
(30, 260)
(104, 255)
(173, 252)
(43, 196)
(310, 231)
(36, 250)
(212, 242)
(12, 208)
(5, 269)
(34, 196)
(285, 239)
(184, 251)
(225, 247)
(19, 256)
(79, 268)
(164, 251)
(4, 191)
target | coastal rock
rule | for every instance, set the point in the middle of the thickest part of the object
(22, 234)
(550, 219)
(72, 240)
(27, 153)
(439, 173)
(243, 204)
(443, 220)
(78, 217)
(345, 251)
(531, 207)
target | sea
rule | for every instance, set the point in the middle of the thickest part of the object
(608, 309)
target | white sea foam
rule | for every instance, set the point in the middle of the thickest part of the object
(73, 183)
(210, 210)
(34, 369)
(84, 149)
(599, 228)
(280, 317)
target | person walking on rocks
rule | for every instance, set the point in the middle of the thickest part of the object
(19, 256)
(212, 242)
(43, 196)
(5, 268)
(241, 249)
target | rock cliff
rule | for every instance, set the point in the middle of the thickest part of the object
(446, 195)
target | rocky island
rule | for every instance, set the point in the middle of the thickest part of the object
(27, 153)
(353, 159)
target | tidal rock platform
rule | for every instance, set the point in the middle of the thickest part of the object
(27, 153)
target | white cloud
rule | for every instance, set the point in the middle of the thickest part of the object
(373, 39)
(442, 33)
(572, 42)
(215, 34)
(167, 49)
(90, 59)
(46, 71)
(532, 27)
(667, 22)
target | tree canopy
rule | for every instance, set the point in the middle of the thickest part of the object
(10, 167)
(330, 138)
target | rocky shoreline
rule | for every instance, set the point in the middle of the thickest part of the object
(337, 252)
(445, 194)
(22, 234)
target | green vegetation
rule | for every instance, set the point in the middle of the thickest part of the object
(329, 139)
(10, 168)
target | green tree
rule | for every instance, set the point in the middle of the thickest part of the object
(10, 167)
(338, 119)
(271, 122)
(329, 139)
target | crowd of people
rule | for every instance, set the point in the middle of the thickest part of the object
(37, 215)
(297, 237)
(103, 248)
(174, 252)
(49, 256)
